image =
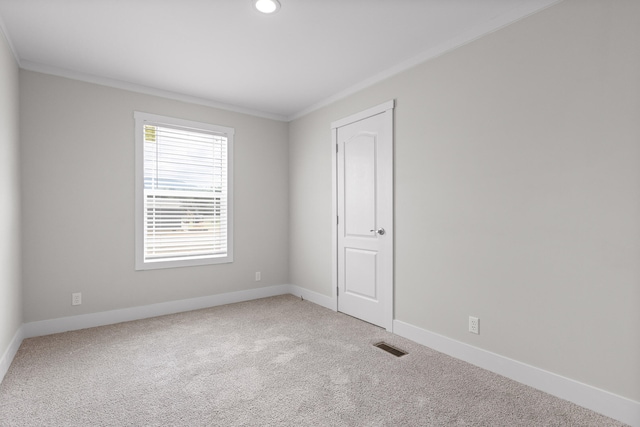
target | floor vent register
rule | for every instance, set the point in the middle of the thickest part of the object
(390, 349)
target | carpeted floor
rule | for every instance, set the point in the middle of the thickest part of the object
(272, 362)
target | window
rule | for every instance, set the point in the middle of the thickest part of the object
(184, 203)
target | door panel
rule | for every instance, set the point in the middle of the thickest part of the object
(364, 189)
(360, 273)
(360, 184)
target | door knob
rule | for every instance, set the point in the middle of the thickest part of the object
(380, 231)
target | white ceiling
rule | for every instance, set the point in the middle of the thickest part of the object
(224, 53)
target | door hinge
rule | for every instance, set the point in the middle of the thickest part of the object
(336, 148)
(338, 291)
(337, 220)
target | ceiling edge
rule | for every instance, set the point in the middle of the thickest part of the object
(480, 31)
(147, 90)
(5, 33)
(497, 23)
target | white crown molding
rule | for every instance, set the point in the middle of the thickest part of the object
(516, 14)
(5, 33)
(147, 90)
(595, 399)
(499, 22)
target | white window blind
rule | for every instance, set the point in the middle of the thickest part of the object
(185, 198)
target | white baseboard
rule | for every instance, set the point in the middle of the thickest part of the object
(73, 323)
(314, 297)
(83, 321)
(595, 399)
(601, 401)
(10, 352)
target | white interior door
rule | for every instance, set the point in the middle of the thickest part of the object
(364, 204)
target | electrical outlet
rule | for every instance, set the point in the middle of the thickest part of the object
(258, 276)
(76, 299)
(474, 325)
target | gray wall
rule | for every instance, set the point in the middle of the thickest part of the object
(10, 291)
(77, 171)
(517, 192)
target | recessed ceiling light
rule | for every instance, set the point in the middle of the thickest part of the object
(267, 6)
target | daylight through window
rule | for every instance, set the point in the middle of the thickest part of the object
(184, 197)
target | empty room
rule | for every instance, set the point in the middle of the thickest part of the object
(330, 213)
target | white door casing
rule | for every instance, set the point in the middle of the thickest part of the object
(363, 205)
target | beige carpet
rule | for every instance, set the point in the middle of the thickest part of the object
(272, 362)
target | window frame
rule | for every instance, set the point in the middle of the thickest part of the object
(141, 119)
